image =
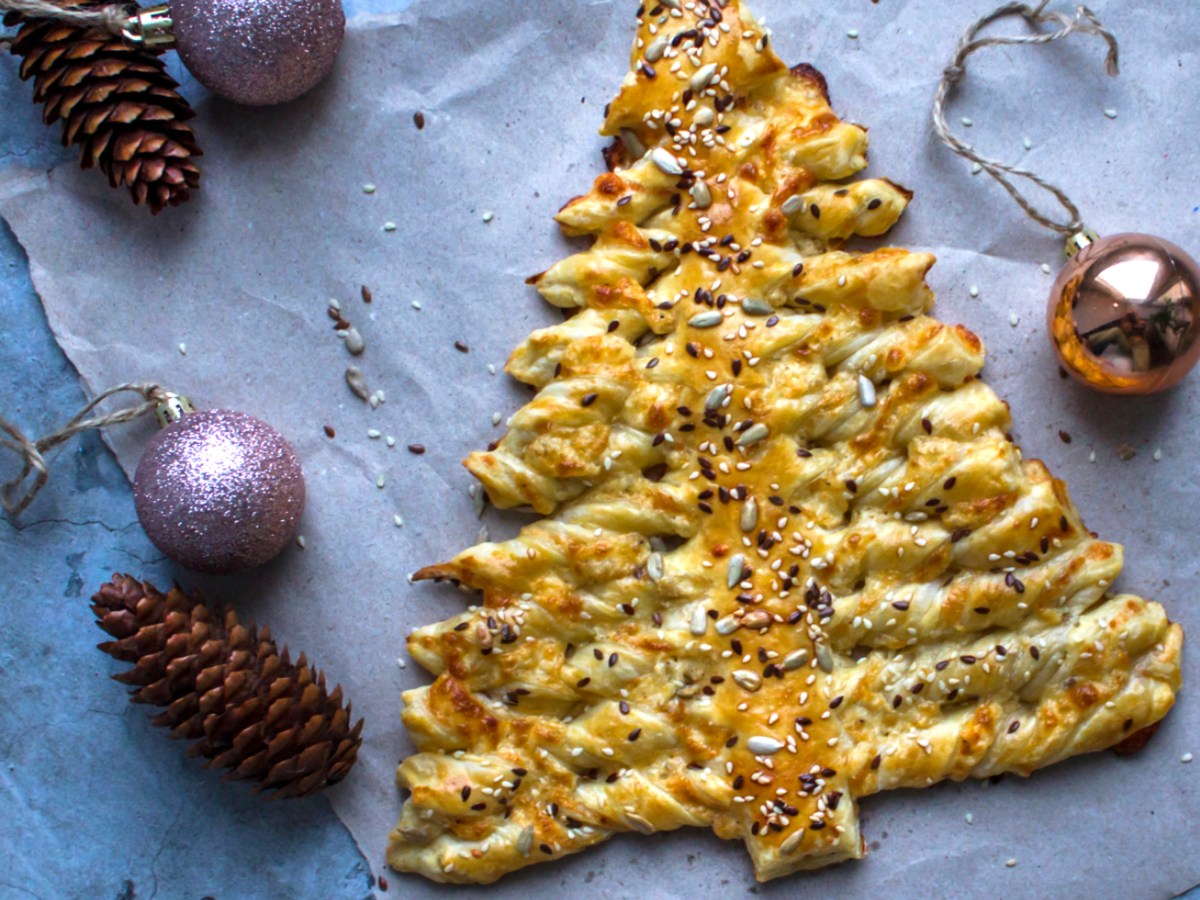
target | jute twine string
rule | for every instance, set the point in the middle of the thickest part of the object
(18, 493)
(110, 18)
(1085, 22)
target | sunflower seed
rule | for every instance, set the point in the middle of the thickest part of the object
(665, 161)
(753, 435)
(654, 566)
(699, 623)
(795, 660)
(737, 568)
(657, 48)
(357, 382)
(525, 841)
(728, 625)
(793, 205)
(866, 391)
(703, 76)
(638, 823)
(749, 516)
(701, 195)
(792, 841)
(632, 143)
(709, 319)
(756, 618)
(764, 745)
(354, 342)
(824, 658)
(756, 306)
(747, 680)
(717, 396)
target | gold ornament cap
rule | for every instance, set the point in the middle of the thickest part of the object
(152, 28)
(173, 408)
(1080, 239)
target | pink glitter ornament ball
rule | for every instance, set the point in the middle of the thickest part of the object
(219, 491)
(258, 52)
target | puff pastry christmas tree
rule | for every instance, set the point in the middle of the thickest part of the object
(790, 556)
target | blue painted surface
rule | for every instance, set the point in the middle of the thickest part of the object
(96, 802)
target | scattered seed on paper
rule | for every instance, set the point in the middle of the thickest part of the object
(391, 441)
(389, 227)
(368, 188)
(1111, 113)
(1186, 758)
(374, 434)
(488, 215)
(380, 481)
(1092, 456)
(183, 349)
(300, 542)
(1013, 319)
(1158, 454)
(1011, 863)
(401, 663)
(1046, 268)
(398, 520)
(967, 123)
(496, 417)
(1027, 144)
(970, 817)
(416, 304)
(852, 34)
(974, 290)
(491, 369)
(976, 169)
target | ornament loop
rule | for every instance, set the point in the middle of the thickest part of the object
(1085, 22)
(33, 453)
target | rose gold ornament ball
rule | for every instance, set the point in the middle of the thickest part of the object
(1123, 314)
(258, 52)
(219, 491)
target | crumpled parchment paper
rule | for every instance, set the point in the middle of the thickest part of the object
(512, 95)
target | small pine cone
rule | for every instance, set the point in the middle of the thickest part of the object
(227, 687)
(117, 103)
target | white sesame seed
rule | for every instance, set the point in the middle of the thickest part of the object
(1158, 454)
(970, 817)
(496, 417)
(967, 123)
(487, 216)
(389, 227)
(852, 34)
(1186, 758)
(1027, 144)
(1111, 113)
(491, 368)
(1010, 863)
(974, 290)
(374, 434)
(416, 304)
(398, 520)
(368, 188)
(1013, 319)
(380, 481)
(976, 169)
(1045, 268)
(300, 542)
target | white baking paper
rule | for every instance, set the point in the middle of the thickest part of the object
(512, 95)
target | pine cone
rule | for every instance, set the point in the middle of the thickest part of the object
(226, 686)
(117, 102)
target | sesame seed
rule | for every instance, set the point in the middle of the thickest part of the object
(300, 541)
(1111, 113)
(1013, 319)
(967, 123)
(852, 34)
(1186, 758)
(389, 227)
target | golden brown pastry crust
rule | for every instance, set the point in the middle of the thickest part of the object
(790, 555)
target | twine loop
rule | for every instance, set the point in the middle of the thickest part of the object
(18, 493)
(1085, 22)
(110, 17)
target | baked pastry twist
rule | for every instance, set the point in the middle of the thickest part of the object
(790, 556)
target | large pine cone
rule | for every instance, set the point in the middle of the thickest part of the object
(226, 686)
(117, 102)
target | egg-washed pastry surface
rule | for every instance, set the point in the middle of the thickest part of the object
(790, 556)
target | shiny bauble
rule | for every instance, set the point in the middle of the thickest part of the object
(1123, 313)
(218, 491)
(258, 52)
